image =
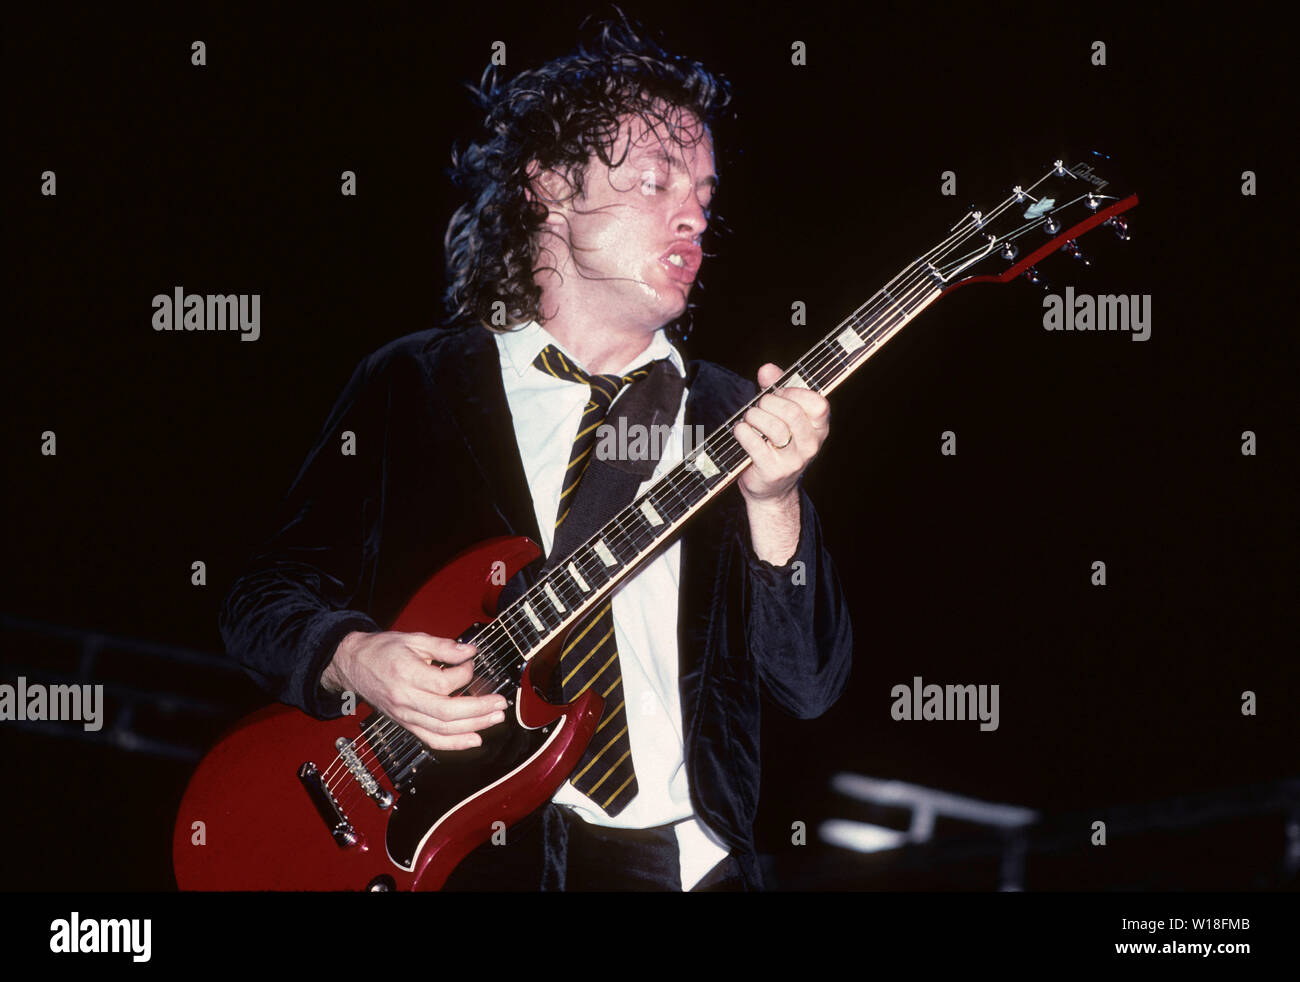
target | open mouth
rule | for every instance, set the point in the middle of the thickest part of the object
(683, 261)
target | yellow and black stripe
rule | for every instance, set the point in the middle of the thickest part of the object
(605, 773)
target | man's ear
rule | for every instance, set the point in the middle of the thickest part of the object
(548, 188)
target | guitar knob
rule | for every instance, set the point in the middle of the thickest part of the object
(1120, 225)
(1072, 247)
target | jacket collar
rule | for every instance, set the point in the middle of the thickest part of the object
(465, 367)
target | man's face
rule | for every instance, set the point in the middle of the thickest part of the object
(634, 231)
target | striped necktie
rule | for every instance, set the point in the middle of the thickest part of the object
(605, 773)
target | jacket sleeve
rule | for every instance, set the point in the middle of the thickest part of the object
(303, 591)
(797, 627)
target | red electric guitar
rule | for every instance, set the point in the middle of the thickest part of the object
(288, 802)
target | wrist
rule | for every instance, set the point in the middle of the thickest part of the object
(777, 505)
(337, 677)
(774, 527)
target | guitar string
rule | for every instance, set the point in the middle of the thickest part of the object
(490, 667)
(821, 356)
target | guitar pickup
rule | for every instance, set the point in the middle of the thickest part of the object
(345, 836)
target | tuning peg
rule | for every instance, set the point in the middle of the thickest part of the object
(1072, 247)
(1120, 225)
(1009, 251)
(1051, 226)
(1035, 277)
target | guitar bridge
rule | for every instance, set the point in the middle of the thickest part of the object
(345, 836)
(379, 795)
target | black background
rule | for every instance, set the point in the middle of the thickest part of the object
(967, 569)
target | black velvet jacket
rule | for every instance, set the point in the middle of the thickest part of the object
(437, 469)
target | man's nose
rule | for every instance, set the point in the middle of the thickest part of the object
(692, 217)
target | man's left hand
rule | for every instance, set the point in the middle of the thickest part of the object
(796, 422)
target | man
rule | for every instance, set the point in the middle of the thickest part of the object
(588, 199)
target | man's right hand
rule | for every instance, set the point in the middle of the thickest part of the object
(410, 677)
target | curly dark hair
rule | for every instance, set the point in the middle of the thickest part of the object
(559, 115)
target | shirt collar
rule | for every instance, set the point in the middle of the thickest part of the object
(521, 347)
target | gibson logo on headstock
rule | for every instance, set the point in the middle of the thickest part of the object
(1084, 172)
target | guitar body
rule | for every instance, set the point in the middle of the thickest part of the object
(280, 809)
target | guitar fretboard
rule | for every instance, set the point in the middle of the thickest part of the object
(592, 570)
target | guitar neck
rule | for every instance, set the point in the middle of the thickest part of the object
(592, 571)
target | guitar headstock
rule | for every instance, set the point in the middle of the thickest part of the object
(1034, 221)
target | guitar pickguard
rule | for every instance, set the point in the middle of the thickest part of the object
(458, 778)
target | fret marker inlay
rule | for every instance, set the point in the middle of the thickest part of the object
(704, 465)
(605, 555)
(528, 609)
(849, 341)
(555, 601)
(577, 578)
(796, 382)
(650, 514)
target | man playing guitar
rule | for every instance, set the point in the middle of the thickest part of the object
(570, 266)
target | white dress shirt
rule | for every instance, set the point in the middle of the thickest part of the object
(546, 413)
